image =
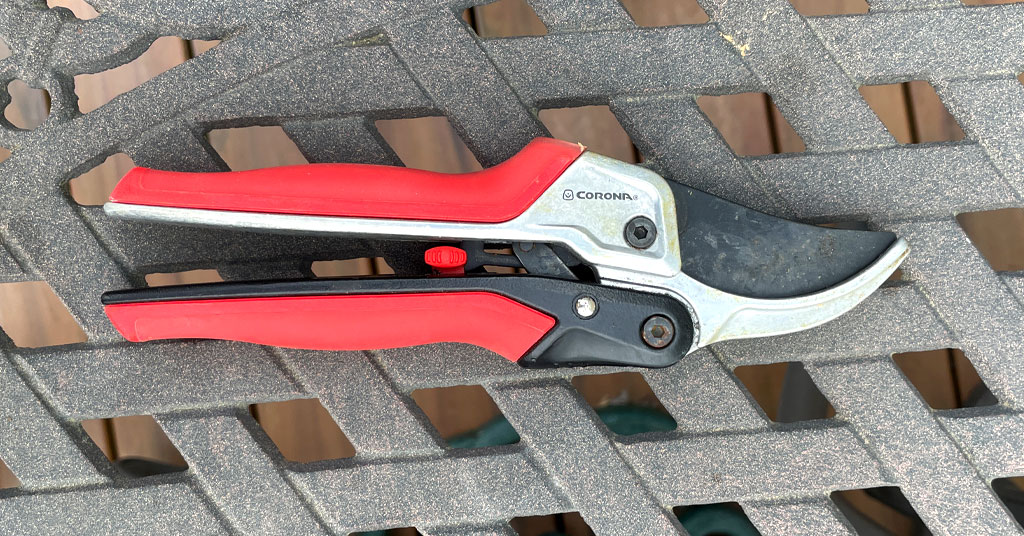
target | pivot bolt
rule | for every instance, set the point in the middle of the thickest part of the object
(640, 232)
(585, 306)
(658, 331)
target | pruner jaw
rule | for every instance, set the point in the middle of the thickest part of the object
(722, 316)
(745, 274)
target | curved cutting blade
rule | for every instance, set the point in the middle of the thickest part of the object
(741, 251)
(747, 274)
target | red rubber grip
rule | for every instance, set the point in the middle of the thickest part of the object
(342, 322)
(493, 195)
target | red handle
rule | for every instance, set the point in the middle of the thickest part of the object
(493, 195)
(342, 322)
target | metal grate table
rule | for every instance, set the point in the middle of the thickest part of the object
(324, 70)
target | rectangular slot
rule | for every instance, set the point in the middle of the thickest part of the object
(303, 430)
(624, 402)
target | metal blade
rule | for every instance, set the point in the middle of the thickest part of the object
(748, 253)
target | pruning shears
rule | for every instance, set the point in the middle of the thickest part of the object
(618, 265)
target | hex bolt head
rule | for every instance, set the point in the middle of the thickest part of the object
(658, 331)
(585, 306)
(640, 232)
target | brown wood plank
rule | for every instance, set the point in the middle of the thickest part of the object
(347, 267)
(255, 147)
(998, 235)
(889, 102)
(139, 436)
(596, 127)
(7, 478)
(94, 186)
(817, 8)
(456, 410)
(33, 316)
(932, 122)
(657, 13)
(303, 430)
(95, 90)
(764, 383)
(189, 277)
(786, 138)
(575, 525)
(931, 373)
(381, 267)
(535, 525)
(428, 143)
(81, 9)
(506, 18)
(102, 434)
(743, 120)
(29, 106)
(197, 46)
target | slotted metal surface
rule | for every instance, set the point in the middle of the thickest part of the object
(325, 70)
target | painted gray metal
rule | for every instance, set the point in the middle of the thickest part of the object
(324, 71)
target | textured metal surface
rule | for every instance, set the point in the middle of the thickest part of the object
(324, 70)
